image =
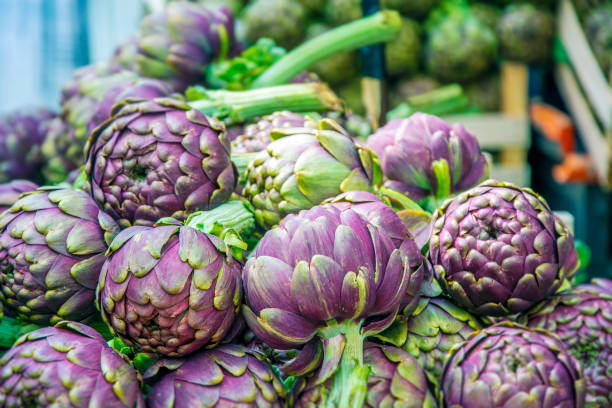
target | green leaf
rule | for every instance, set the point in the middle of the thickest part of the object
(12, 329)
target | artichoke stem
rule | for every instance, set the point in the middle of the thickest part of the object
(239, 106)
(350, 383)
(380, 27)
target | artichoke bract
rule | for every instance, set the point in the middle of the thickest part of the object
(302, 168)
(169, 289)
(282, 20)
(498, 249)
(256, 136)
(509, 365)
(227, 376)
(158, 158)
(10, 192)
(424, 156)
(326, 275)
(582, 319)
(430, 332)
(52, 245)
(68, 365)
(397, 380)
(22, 133)
(179, 44)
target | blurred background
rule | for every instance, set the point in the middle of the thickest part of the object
(43, 41)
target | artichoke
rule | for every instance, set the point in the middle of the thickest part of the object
(22, 133)
(10, 192)
(158, 158)
(87, 103)
(430, 332)
(486, 13)
(328, 278)
(418, 9)
(583, 7)
(403, 55)
(180, 43)
(424, 156)
(342, 11)
(526, 33)
(498, 249)
(227, 376)
(52, 244)
(397, 380)
(338, 68)
(484, 93)
(582, 319)
(509, 365)
(256, 136)
(282, 20)
(352, 95)
(68, 365)
(460, 49)
(169, 289)
(304, 167)
(598, 29)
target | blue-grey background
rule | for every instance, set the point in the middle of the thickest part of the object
(43, 41)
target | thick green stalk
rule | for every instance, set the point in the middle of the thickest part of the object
(350, 383)
(239, 106)
(380, 27)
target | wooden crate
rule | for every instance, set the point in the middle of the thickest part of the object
(505, 135)
(586, 91)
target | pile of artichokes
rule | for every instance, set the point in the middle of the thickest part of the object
(244, 249)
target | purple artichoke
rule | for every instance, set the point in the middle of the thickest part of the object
(430, 332)
(158, 158)
(320, 275)
(86, 103)
(304, 167)
(509, 365)
(582, 319)
(22, 133)
(68, 365)
(179, 43)
(424, 156)
(10, 192)
(256, 136)
(169, 289)
(498, 249)
(227, 376)
(396, 380)
(52, 245)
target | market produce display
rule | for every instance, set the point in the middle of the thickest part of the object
(215, 228)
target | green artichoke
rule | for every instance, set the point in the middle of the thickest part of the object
(338, 68)
(484, 93)
(526, 33)
(403, 55)
(282, 20)
(509, 365)
(498, 249)
(598, 29)
(417, 9)
(227, 376)
(582, 319)
(52, 245)
(169, 289)
(460, 48)
(397, 380)
(352, 95)
(70, 366)
(486, 13)
(342, 11)
(583, 7)
(304, 167)
(430, 332)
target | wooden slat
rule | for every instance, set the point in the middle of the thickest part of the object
(593, 138)
(495, 131)
(514, 89)
(588, 71)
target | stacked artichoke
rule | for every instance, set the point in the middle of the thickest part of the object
(341, 273)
